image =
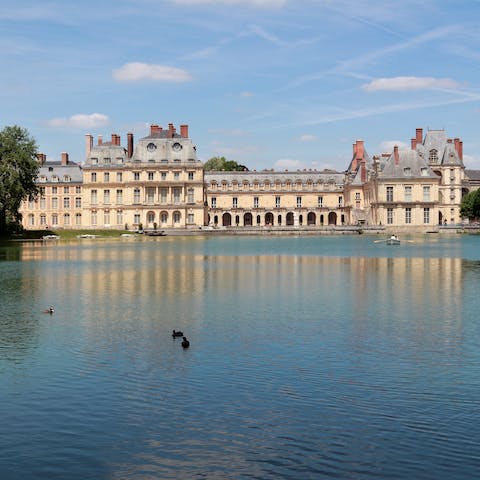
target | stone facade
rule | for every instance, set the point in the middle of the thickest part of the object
(160, 183)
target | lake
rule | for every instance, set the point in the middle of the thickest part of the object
(310, 358)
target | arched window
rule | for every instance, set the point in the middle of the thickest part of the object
(433, 156)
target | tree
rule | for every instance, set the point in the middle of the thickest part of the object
(18, 171)
(221, 163)
(470, 207)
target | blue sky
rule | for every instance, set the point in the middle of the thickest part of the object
(268, 83)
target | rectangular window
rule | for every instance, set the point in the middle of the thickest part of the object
(136, 176)
(452, 195)
(150, 176)
(408, 193)
(191, 218)
(357, 196)
(93, 197)
(119, 197)
(119, 217)
(163, 175)
(299, 202)
(66, 190)
(176, 176)
(390, 216)
(163, 195)
(78, 219)
(190, 196)
(78, 190)
(106, 197)
(119, 176)
(408, 215)
(106, 217)
(78, 202)
(320, 202)
(389, 194)
(340, 201)
(43, 220)
(176, 195)
(150, 196)
(426, 193)
(54, 202)
(176, 217)
(66, 219)
(136, 218)
(94, 176)
(54, 219)
(66, 202)
(106, 177)
(54, 190)
(255, 202)
(42, 203)
(277, 202)
(136, 195)
(94, 218)
(235, 202)
(214, 202)
(426, 215)
(190, 175)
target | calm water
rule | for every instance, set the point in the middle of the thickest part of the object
(310, 358)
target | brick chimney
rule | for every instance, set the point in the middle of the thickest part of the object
(419, 136)
(114, 139)
(184, 131)
(154, 129)
(363, 171)
(354, 161)
(395, 154)
(414, 143)
(171, 130)
(100, 140)
(457, 144)
(64, 158)
(88, 144)
(460, 149)
(129, 145)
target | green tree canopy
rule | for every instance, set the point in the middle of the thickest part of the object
(221, 163)
(18, 171)
(470, 207)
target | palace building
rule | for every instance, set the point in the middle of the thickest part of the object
(160, 183)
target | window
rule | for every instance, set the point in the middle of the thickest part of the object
(119, 197)
(389, 194)
(176, 195)
(408, 215)
(42, 191)
(42, 203)
(214, 202)
(31, 219)
(164, 217)
(66, 178)
(43, 219)
(78, 219)
(163, 195)
(235, 202)
(136, 218)
(424, 171)
(163, 175)
(94, 161)
(255, 202)
(299, 202)
(408, 193)
(357, 196)
(106, 177)
(54, 219)
(150, 195)
(106, 197)
(190, 175)
(93, 197)
(320, 202)
(106, 160)
(66, 190)
(277, 202)
(93, 218)
(191, 218)
(55, 202)
(106, 217)
(426, 215)
(426, 193)
(66, 202)
(190, 195)
(176, 217)
(78, 202)
(176, 176)
(433, 156)
(136, 176)
(136, 195)
(452, 195)
(119, 160)
(340, 201)
(54, 190)
(119, 217)
(94, 177)
(389, 216)
(119, 176)
(78, 190)
(66, 219)
(407, 171)
(150, 176)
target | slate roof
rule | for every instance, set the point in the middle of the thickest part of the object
(410, 165)
(324, 176)
(51, 169)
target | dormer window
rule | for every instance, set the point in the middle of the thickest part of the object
(66, 178)
(54, 178)
(424, 171)
(407, 171)
(94, 161)
(106, 161)
(42, 178)
(433, 156)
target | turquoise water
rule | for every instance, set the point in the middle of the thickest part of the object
(310, 357)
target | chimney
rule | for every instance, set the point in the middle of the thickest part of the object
(395, 154)
(114, 139)
(457, 144)
(171, 130)
(414, 143)
(184, 131)
(129, 145)
(118, 140)
(154, 129)
(354, 161)
(64, 158)
(100, 140)
(419, 136)
(363, 171)
(460, 149)
(88, 144)
(360, 150)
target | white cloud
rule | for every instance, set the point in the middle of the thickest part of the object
(137, 71)
(289, 164)
(409, 83)
(307, 138)
(387, 145)
(81, 120)
(254, 3)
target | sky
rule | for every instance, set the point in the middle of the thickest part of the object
(271, 84)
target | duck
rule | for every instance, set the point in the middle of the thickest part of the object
(185, 342)
(49, 310)
(177, 333)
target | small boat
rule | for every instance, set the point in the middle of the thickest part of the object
(86, 235)
(50, 237)
(154, 233)
(393, 241)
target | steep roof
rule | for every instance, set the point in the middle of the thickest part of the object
(409, 165)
